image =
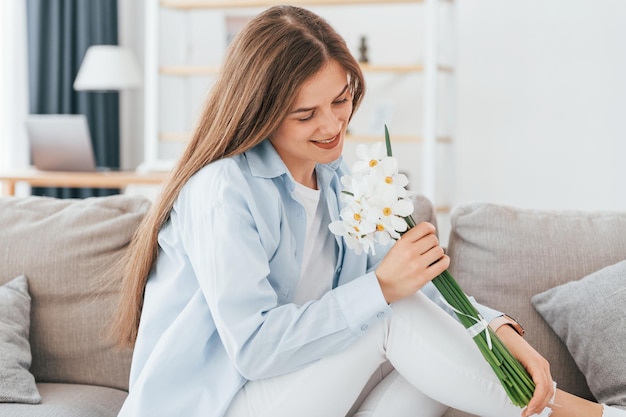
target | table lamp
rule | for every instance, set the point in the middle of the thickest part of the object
(108, 68)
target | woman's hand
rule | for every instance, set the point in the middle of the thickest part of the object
(536, 365)
(414, 260)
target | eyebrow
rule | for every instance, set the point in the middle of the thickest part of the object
(306, 109)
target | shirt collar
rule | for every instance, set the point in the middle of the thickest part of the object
(265, 162)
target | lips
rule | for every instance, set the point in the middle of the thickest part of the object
(327, 144)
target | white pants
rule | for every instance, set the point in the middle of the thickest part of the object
(435, 363)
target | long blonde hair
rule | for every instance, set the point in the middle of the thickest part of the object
(264, 68)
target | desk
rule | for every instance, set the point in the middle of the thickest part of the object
(97, 179)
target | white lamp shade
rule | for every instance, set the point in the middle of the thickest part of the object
(108, 67)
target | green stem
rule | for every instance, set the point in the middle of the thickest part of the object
(512, 375)
(514, 378)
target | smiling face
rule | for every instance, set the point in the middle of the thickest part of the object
(315, 127)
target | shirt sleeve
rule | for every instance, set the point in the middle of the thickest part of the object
(230, 244)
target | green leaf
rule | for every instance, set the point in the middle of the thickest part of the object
(387, 142)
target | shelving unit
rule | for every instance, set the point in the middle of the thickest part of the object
(159, 139)
(231, 4)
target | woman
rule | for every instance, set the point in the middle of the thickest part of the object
(240, 302)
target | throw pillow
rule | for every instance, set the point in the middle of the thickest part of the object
(589, 315)
(17, 384)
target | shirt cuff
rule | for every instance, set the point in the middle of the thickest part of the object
(362, 302)
(500, 321)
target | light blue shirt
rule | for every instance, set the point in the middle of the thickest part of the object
(217, 309)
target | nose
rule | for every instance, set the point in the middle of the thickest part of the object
(330, 123)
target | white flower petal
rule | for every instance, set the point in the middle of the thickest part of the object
(363, 152)
(399, 224)
(354, 244)
(389, 165)
(378, 151)
(346, 181)
(403, 207)
(394, 235)
(401, 180)
(360, 167)
(338, 228)
(367, 226)
(383, 237)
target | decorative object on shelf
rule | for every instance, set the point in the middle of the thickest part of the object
(363, 59)
(108, 68)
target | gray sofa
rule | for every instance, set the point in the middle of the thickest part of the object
(568, 265)
(67, 250)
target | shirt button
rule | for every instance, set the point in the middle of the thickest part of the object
(364, 327)
(380, 315)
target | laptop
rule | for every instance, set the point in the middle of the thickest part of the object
(60, 142)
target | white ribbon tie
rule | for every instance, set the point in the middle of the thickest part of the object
(481, 324)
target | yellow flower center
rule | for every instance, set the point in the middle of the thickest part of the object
(380, 227)
(387, 211)
(388, 180)
(373, 163)
(357, 217)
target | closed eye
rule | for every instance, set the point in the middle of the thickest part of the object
(345, 97)
(306, 119)
(336, 103)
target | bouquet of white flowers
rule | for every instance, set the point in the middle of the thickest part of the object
(377, 210)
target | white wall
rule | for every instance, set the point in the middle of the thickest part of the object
(541, 101)
(540, 92)
(14, 152)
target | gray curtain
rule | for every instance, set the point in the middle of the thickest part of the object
(59, 33)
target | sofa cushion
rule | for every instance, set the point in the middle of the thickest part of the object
(505, 255)
(423, 210)
(589, 316)
(68, 400)
(16, 383)
(67, 249)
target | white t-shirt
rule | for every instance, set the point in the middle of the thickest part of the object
(319, 257)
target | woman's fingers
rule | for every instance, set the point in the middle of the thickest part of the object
(536, 365)
(419, 231)
(544, 391)
(412, 262)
